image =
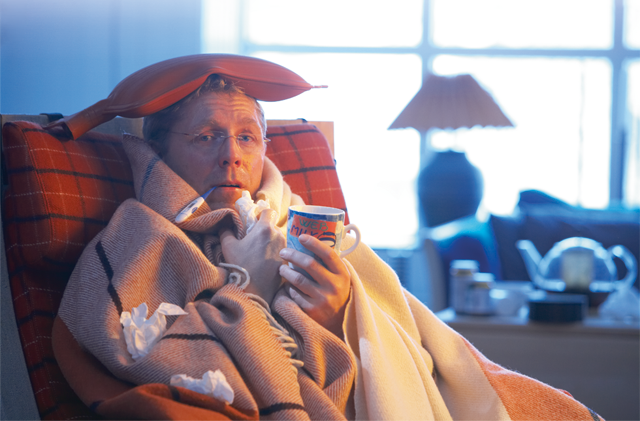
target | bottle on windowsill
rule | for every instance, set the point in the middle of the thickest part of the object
(462, 274)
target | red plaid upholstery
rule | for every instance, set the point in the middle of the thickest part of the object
(302, 154)
(61, 194)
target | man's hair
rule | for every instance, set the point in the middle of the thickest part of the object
(156, 126)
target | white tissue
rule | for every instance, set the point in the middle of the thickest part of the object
(248, 210)
(213, 384)
(141, 334)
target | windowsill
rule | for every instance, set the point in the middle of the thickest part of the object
(592, 324)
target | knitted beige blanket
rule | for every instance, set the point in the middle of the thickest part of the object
(398, 361)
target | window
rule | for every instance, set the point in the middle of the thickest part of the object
(377, 168)
(365, 51)
(632, 173)
(542, 24)
(334, 23)
(631, 24)
(560, 69)
(560, 109)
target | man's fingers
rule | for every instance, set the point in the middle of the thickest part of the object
(300, 300)
(322, 271)
(314, 268)
(327, 254)
(307, 286)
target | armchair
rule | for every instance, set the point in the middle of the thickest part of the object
(56, 196)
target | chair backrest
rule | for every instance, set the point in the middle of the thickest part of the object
(57, 195)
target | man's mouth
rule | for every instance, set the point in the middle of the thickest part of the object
(237, 186)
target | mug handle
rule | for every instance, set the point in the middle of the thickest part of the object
(350, 227)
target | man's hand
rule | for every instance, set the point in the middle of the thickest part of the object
(324, 297)
(258, 254)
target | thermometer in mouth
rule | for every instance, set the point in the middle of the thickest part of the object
(192, 207)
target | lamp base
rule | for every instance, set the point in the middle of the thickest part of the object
(449, 187)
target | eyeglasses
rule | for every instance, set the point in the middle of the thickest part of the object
(248, 142)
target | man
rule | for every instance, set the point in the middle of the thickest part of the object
(184, 136)
(349, 343)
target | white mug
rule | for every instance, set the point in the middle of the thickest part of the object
(324, 223)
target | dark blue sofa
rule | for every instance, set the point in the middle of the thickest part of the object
(540, 218)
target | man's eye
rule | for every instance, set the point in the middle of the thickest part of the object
(246, 138)
(206, 137)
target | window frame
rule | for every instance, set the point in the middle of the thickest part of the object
(618, 55)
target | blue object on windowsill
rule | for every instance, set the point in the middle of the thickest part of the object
(449, 187)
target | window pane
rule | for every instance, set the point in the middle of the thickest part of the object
(353, 23)
(377, 167)
(632, 23)
(522, 24)
(632, 170)
(220, 32)
(561, 140)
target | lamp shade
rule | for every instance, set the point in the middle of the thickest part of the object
(450, 102)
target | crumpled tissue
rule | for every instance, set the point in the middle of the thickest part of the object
(213, 384)
(141, 334)
(248, 210)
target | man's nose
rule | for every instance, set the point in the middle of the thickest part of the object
(230, 153)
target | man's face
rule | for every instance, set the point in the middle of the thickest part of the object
(224, 165)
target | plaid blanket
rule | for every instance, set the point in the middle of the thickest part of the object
(398, 361)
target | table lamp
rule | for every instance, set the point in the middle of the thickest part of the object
(449, 186)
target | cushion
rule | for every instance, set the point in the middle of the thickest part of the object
(62, 193)
(547, 224)
(507, 231)
(162, 84)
